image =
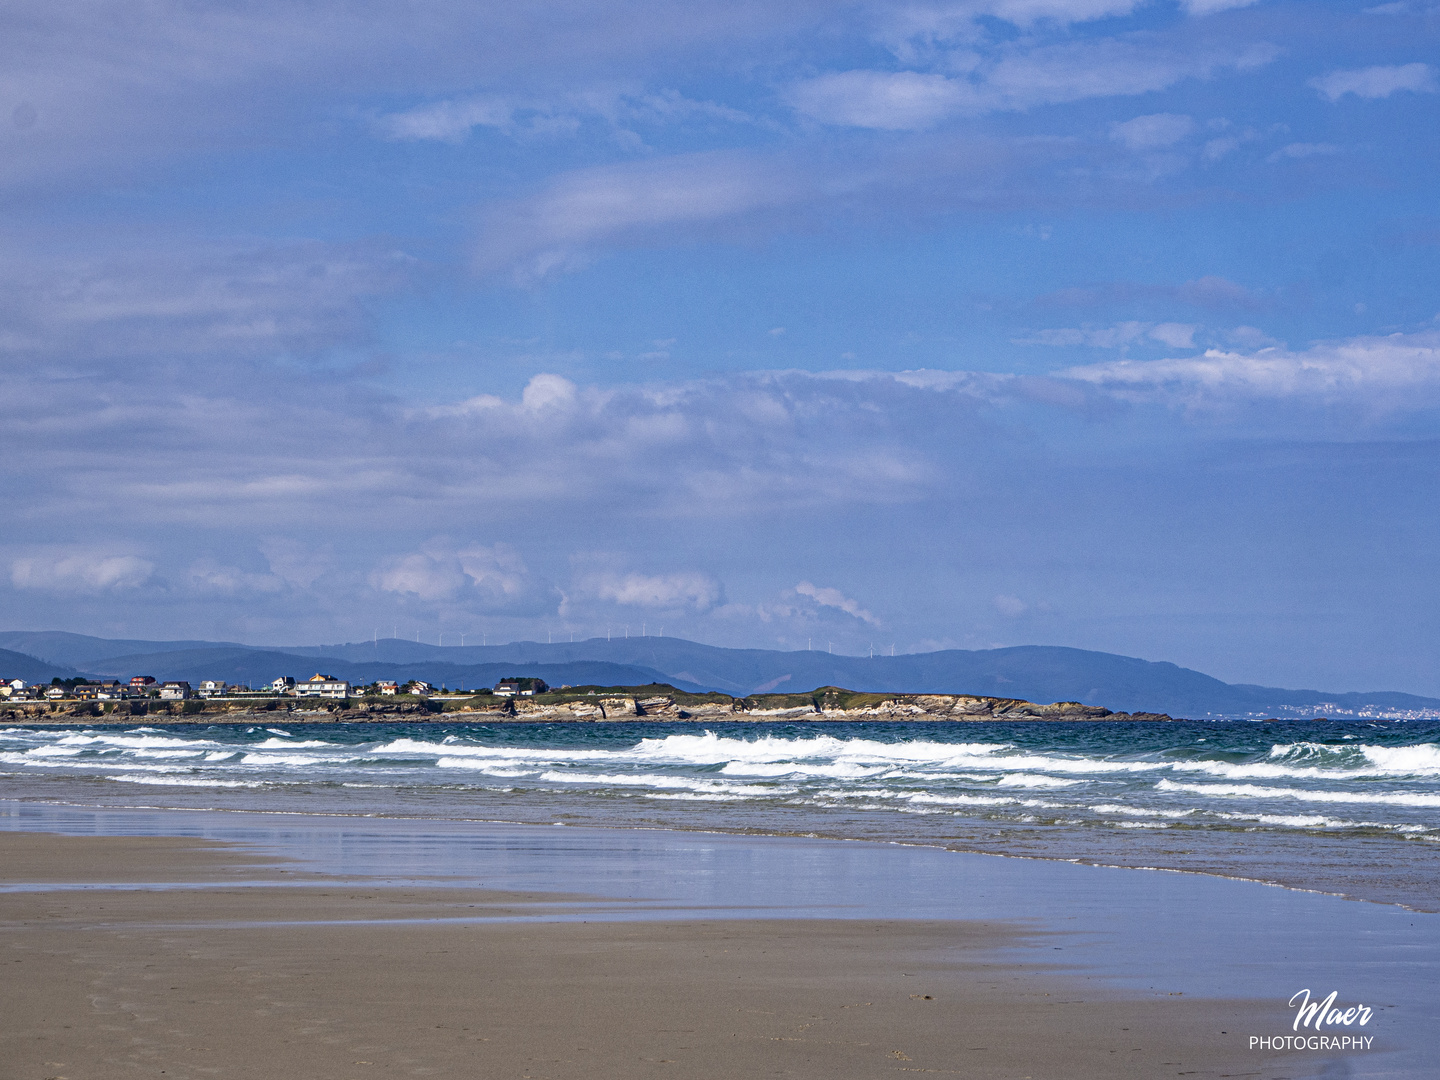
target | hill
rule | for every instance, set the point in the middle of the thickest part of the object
(18, 665)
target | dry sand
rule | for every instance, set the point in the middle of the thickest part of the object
(212, 982)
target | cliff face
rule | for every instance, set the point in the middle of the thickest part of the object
(827, 703)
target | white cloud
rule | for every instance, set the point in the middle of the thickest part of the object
(422, 575)
(552, 230)
(910, 27)
(1021, 77)
(545, 391)
(618, 108)
(1377, 82)
(159, 298)
(834, 598)
(296, 563)
(1396, 371)
(477, 577)
(684, 590)
(207, 576)
(80, 571)
(1012, 606)
(1175, 335)
(448, 121)
(886, 100)
(1156, 130)
(111, 87)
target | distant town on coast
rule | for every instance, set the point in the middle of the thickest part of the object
(82, 676)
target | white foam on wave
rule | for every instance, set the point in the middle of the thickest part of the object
(1254, 791)
(1142, 811)
(682, 783)
(712, 749)
(452, 748)
(836, 770)
(1263, 770)
(696, 796)
(134, 741)
(489, 768)
(925, 797)
(185, 781)
(1313, 821)
(292, 744)
(302, 760)
(1033, 780)
(1423, 759)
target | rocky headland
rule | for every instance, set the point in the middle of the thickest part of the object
(659, 702)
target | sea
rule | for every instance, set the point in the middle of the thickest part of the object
(1350, 808)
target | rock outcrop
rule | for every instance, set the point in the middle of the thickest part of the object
(646, 703)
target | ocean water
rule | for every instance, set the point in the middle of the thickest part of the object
(1345, 807)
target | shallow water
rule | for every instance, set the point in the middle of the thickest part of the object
(1349, 807)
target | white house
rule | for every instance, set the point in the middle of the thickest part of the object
(283, 685)
(212, 687)
(322, 686)
(387, 687)
(175, 691)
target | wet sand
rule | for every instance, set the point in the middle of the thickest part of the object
(309, 977)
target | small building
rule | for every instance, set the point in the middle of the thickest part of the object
(101, 691)
(212, 687)
(322, 686)
(418, 687)
(141, 682)
(175, 691)
(283, 685)
(387, 687)
(521, 687)
(55, 693)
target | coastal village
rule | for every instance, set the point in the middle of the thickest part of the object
(516, 699)
(318, 685)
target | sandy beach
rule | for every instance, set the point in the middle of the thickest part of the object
(225, 967)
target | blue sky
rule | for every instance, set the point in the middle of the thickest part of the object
(1100, 323)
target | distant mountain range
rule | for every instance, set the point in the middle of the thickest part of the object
(1032, 672)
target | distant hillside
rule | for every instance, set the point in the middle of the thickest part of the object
(1033, 672)
(17, 665)
(80, 651)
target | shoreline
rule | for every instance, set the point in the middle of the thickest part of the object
(754, 833)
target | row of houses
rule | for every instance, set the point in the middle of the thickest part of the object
(323, 686)
(330, 687)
